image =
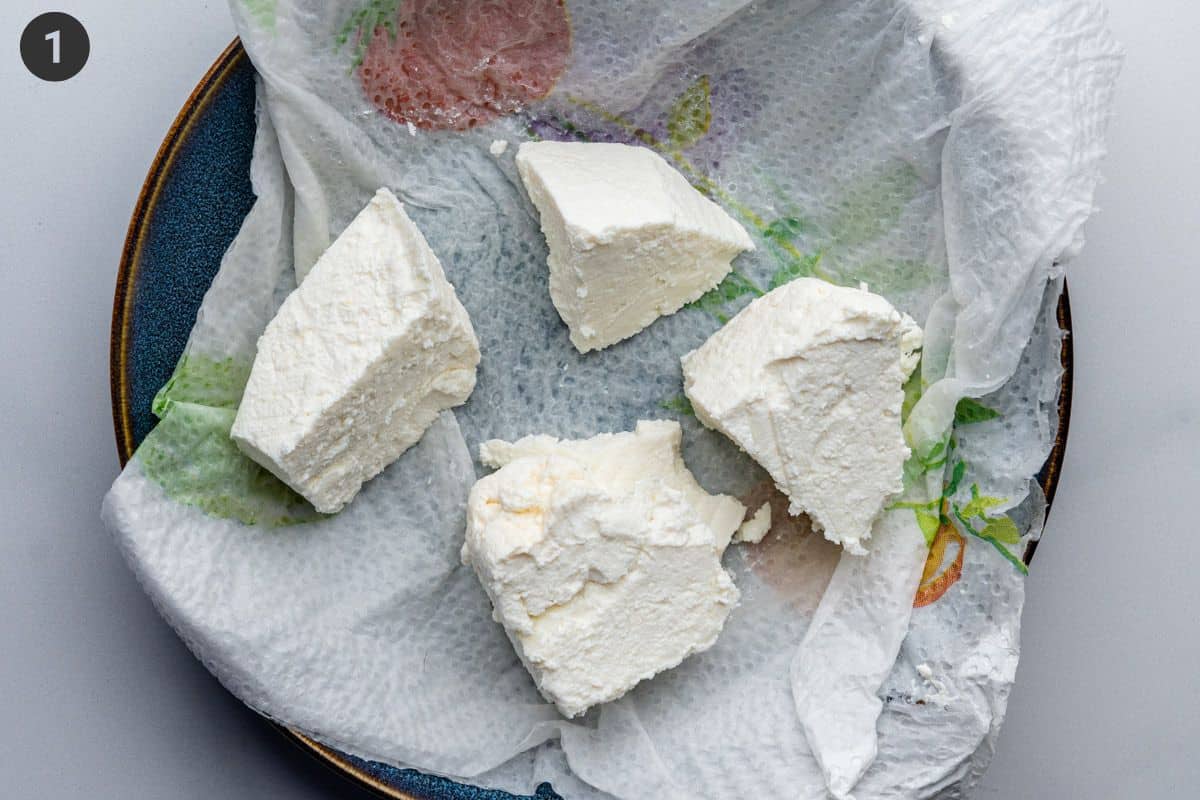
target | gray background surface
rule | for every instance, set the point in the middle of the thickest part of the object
(99, 699)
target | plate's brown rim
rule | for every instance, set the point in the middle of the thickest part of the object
(336, 762)
(127, 273)
(131, 254)
(1052, 471)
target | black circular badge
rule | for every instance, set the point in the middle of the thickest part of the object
(55, 46)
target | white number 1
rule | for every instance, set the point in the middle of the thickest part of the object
(53, 37)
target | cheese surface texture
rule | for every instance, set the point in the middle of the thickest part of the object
(358, 362)
(602, 558)
(808, 380)
(630, 239)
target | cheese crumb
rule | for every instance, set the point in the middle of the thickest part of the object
(754, 529)
(938, 695)
(498, 147)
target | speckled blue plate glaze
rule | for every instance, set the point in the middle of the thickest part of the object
(190, 208)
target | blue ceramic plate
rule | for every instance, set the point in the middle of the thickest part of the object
(190, 208)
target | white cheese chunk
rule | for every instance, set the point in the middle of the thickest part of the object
(808, 380)
(630, 239)
(754, 529)
(602, 558)
(358, 361)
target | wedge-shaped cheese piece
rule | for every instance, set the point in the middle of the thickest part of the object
(808, 380)
(358, 362)
(630, 239)
(602, 558)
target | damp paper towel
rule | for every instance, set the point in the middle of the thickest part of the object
(945, 153)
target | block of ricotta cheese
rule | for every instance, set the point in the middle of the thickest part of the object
(630, 239)
(358, 361)
(602, 558)
(808, 380)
